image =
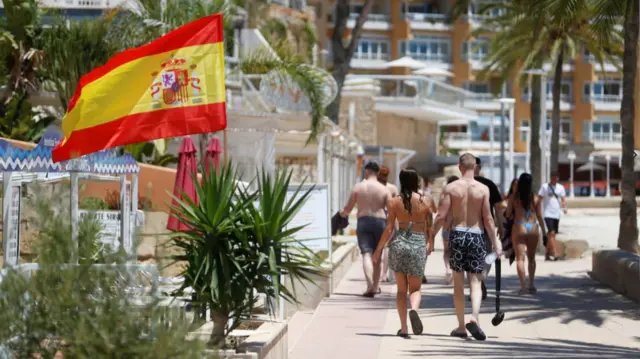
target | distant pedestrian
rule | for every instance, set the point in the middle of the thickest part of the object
(527, 212)
(372, 198)
(467, 201)
(408, 249)
(553, 196)
(383, 177)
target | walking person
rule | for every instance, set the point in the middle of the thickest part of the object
(372, 198)
(383, 177)
(527, 212)
(467, 201)
(507, 243)
(446, 229)
(497, 212)
(553, 196)
(408, 249)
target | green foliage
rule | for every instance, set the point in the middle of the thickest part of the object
(83, 311)
(306, 77)
(17, 119)
(86, 40)
(149, 152)
(93, 204)
(234, 247)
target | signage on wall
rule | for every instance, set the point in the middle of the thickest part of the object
(13, 243)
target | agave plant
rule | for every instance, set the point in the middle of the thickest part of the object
(234, 248)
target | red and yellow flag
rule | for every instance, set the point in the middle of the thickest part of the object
(172, 87)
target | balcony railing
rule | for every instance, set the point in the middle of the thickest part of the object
(602, 98)
(428, 57)
(371, 56)
(475, 137)
(605, 137)
(426, 17)
(371, 17)
(473, 57)
(481, 97)
(567, 98)
(417, 89)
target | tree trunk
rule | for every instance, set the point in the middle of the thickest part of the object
(628, 234)
(342, 54)
(536, 120)
(220, 321)
(555, 113)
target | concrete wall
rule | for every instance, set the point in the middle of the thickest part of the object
(619, 270)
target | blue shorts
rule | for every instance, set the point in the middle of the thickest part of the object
(369, 231)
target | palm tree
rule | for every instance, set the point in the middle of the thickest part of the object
(513, 50)
(566, 30)
(342, 54)
(609, 12)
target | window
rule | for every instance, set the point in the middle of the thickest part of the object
(481, 126)
(475, 50)
(566, 128)
(372, 49)
(428, 48)
(605, 90)
(478, 87)
(606, 129)
(566, 91)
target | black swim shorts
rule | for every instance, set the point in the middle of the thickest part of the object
(467, 250)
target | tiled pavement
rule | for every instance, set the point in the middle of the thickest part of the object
(572, 316)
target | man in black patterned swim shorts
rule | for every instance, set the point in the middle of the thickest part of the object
(467, 202)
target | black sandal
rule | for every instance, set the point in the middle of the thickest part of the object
(416, 323)
(455, 333)
(475, 331)
(403, 335)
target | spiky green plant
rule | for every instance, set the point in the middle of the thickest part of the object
(233, 247)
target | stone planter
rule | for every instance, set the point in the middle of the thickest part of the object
(619, 270)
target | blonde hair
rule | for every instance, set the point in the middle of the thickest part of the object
(467, 161)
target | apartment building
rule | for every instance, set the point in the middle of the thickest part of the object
(590, 100)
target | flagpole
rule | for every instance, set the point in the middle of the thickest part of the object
(225, 147)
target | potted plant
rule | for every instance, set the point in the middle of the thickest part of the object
(239, 243)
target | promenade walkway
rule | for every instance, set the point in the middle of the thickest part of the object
(572, 316)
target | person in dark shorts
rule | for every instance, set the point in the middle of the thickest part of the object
(371, 198)
(553, 198)
(467, 201)
(497, 213)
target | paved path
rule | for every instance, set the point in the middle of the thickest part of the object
(572, 316)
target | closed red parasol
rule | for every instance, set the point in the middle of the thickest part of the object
(214, 149)
(187, 167)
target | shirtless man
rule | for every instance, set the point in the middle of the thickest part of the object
(383, 177)
(467, 201)
(371, 197)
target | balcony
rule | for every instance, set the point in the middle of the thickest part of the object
(374, 21)
(418, 97)
(482, 102)
(606, 140)
(427, 21)
(604, 102)
(475, 140)
(566, 101)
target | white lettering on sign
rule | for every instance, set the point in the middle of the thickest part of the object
(13, 243)
(110, 221)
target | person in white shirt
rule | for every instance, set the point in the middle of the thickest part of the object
(553, 198)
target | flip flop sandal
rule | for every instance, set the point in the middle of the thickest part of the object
(523, 291)
(475, 331)
(455, 333)
(379, 291)
(416, 323)
(533, 290)
(368, 294)
(403, 335)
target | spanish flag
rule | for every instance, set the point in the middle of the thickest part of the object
(173, 86)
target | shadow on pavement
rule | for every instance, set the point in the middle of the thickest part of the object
(569, 297)
(539, 348)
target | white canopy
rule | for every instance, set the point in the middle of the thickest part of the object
(406, 62)
(433, 71)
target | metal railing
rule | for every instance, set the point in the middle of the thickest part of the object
(602, 98)
(243, 93)
(476, 136)
(428, 57)
(371, 56)
(417, 89)
(567, 98)
(605, 137)
(425, 17)
(371, 17)
(481, 97)
(471, 56)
